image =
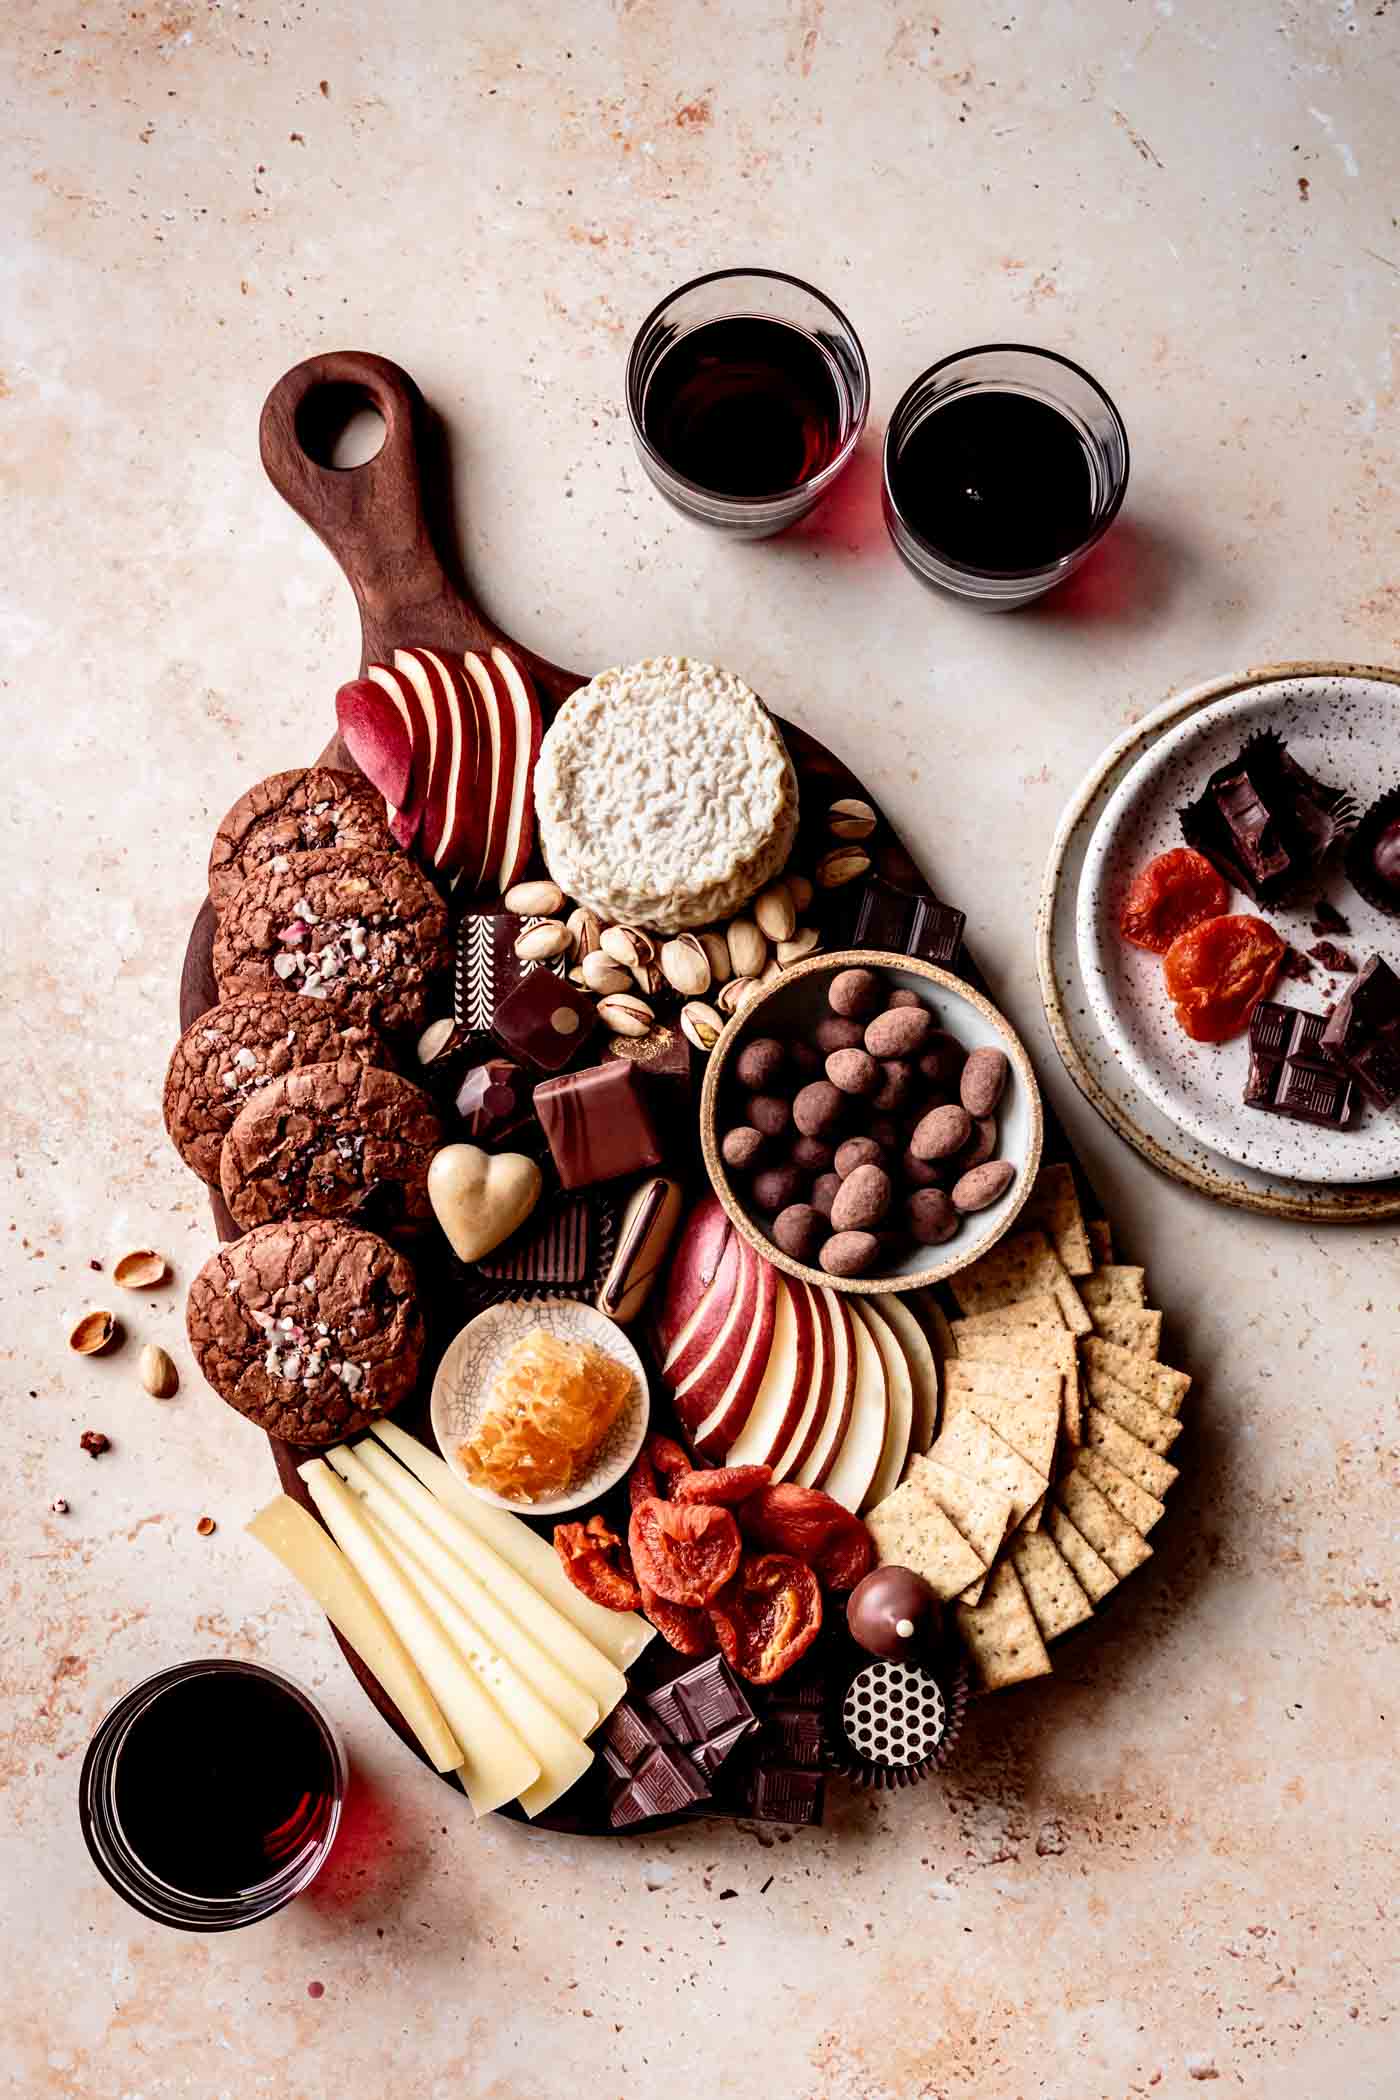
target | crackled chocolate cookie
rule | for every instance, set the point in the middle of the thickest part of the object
(333, 1140)
(309, 810)
(310, 1329)
(364, 933)
(238, 1046)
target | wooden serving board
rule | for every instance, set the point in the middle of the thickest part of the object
(395, 549)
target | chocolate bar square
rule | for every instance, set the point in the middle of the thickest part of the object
(905, 924)
(598, 1124)
(1289, 1071)
(652, 1775)
(1363, 1034)
(702, 1704)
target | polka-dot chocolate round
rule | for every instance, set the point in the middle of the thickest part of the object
(894, 1716)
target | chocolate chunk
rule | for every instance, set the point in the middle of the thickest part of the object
(544, 1020)
(706, 1712)
(598, 1124)
(494, 1101)
(783, 1794)
(664, 1055)
(886, 917)
(1263, 821)
(1333, 958)
(1363, 1034)
(1290, 1074)
(798, 1734)
(652, 1773)
(1327, 919)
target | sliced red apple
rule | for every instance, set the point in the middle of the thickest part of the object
(497, 764)
(827, 1442)
(922, 1366)
(405, 822)
(786, 1382)
(699, 1246)
(696, 1389)
(899, 1392)
(461, 840)
(812, 1412)
(444, 725)
(726, 1419)
(696, 1340)
(520, 816)
(856, 1463)
(378, 737)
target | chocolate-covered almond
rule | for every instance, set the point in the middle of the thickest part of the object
(896, 1085)
(941, 1060)
(922, 1173)
(982, 1185)
(904, 998)
(799, 1230)
(805, 1059)
(768, 1113)
(817, 1108)
(981, 1145)
(941, 1133)
(742, 1147)
(833, 1032)
(983, 1080)
(931, 1217)
(855, 993)
(813, 1154)
(854, 1071)
(824, 1193)
(849, 1253)
(776, 1187)
(862, 1200)
(759, 1063)
(898, 1032)
(858, 1152)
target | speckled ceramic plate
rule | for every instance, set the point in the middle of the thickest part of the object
(468, 1372)
(1347, 732)
(1098, 1067)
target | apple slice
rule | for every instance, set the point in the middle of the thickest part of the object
(697, 1389)
(406, 817)
(378, 737)
(833, 1425)
(812, 1413)
(444, 722)
(697, 1339)
(497, 760)
(699, 1245)
(899, 1388)
(922, 1366)
(462, 839)
(726, 1420)
(858, 1460)
(520, 816)
(787, 1379)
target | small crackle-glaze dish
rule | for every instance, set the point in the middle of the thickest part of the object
(467, 1374)
(1181, 1103)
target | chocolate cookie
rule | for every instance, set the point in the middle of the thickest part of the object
(309, 1328)
(332, 1140)
(238, 1046)
(308, 810)
(363, 932)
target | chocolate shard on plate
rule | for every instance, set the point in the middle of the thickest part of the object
(1327, 919)
(1263, 821)
(494, 1102)
(895, 919)
(544, 1020)
(1290, 1073)
(1333, 958)
(488, 968)
(598, 1124)
(1363, 1034)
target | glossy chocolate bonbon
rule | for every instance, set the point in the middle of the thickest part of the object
(598, 1124)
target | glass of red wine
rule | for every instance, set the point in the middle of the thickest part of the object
(211, 1795)
(747, 392)
(1004, 466)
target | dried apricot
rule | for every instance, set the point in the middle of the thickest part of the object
(768, 1616)
(686, 1628)
(641, 1481)
(805, 1522)
(729, 1485)
(1173, 893)
(595, 1561)
(685, 1551)
(1218, 972)
(667, 1460)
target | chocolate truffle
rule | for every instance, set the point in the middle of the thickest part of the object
(894, 1613)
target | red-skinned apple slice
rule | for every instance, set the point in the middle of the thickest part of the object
(697, 1382)
(732, 1407)
(827, 1441)
(461, 841)
(899, 1393)
(701, 1243)
(520, 816)
(697, 1336)
(497, 761)
(444, 721)
(378, 737)
(786, 1382)
(922, 1365)
(857, 1462)
(817, 1398)
(405, 821)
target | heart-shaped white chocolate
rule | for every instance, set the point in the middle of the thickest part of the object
(480, 1197)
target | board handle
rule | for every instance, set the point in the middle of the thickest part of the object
(371, 517)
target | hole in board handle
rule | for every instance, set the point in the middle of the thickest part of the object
(339, 425)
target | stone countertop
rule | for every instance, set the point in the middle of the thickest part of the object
(1174, 1864)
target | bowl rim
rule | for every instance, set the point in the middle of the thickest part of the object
(942, 1264)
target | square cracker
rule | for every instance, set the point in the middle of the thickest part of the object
(1110, 1535)
(1093, 1574)
(1128, 1452)
(1100, 1240)
(1132, 1503)
(909, 1528)
(1039, 1311)
(967, 1445)
(1014, 1268)
(1147, 1423)
(982, 1514)
(1114, 1283)
(1054, 1204)
(1022, 1406)
(1054, 1596)
(1033, 1348)
(1001, 1633)
(1159, 1383)
(1135, 1327)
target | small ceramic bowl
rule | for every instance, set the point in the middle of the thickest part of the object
(467, 1374)
(791, 1007)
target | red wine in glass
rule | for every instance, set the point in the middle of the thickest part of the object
(746, 407)
(996, 481)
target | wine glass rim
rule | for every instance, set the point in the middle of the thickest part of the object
(804, 489)
(957, 357)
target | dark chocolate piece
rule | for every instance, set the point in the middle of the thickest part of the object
(598, 1124)
(706, 1712)
(1385, 856)
(1373, 855)
(488, 968)
(494, 1101)
(1327, 919)
(782, 1794)
(544, 1020)
(652, 1774)
(1363, 1034)
(797, 1734)
(894, 919)
(1263, 821)
(1297, 967)
(664, 1055)
(1333, 958)
(1290, 1074)
(553, 1248)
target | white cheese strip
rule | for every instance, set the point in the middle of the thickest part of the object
(559, 1753)
(621, 1635)
(496, 1766)
(293, 1536)
(369, 1472)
